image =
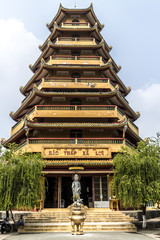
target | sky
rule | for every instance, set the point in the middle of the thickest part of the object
(131, 28)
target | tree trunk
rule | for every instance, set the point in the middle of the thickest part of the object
(144, 216)
(15, 225)
(7, 214)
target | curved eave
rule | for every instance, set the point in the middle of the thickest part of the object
(75, 10)
(38, 74)
(35, 92)
(57, 28)
(43, 70)
(124, 103)
(50, 45)
(31, 97)
(42, 94)
(115, 77)
(132, 133)
(32, 125)
(78, 162)
(14, 137)
(76, 125)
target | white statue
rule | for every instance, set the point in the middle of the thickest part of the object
(76, 189)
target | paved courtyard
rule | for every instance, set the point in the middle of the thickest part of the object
(88, 236)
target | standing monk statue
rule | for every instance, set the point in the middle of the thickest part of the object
(76, 189)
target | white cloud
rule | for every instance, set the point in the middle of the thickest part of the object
(147, 101)
(18, 48)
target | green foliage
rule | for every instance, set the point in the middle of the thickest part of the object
(20, 179)
(137, 174)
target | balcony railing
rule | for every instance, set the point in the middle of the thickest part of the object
(77, 141)
(75, 25)
(76, 60)
(79, 84)
(84, 80)
(72, 111)
(75, 41)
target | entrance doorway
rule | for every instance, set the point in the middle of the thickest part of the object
(51, 196)
(101, 192)
(86, 191)
(66, 192)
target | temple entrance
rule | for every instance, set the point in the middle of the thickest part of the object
(86, 191)
(101, 192)
(66, 192)
(51, 196)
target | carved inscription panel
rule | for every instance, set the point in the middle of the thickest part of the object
(77, 153)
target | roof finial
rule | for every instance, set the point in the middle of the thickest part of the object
(75, 4)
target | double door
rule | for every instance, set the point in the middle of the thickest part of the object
(101, 192)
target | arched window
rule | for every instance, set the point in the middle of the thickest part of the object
(76, 75)
(75, 101)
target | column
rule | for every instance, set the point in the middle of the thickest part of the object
(93, 191)
(59, 192)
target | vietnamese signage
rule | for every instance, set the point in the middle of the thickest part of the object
(77, 153)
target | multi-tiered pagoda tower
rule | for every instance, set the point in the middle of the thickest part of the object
(74, 111)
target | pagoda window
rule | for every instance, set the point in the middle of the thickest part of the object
(75, 21)
(75, 35)
(76, 101)
(76, 133)
(76, 75)
(76, 53)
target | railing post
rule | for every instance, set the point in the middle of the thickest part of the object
(93, 191)
(116, 110)
(42, 82)
(100, 60)
(76, 80)
(76, 141)
(59, 192)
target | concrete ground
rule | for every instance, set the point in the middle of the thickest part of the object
(143, 235)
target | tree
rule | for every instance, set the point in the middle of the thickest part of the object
(136, 180)
(20, 179)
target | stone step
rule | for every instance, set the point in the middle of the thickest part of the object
(88, 218)
(87, 228)
(57, 220)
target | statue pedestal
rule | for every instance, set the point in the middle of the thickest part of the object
(77, 215)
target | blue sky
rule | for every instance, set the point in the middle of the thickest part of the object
(131, 27)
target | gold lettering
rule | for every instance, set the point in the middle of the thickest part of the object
(53, 152)
(100, 153)
(86, 152)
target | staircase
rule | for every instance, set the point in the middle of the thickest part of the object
(98, 219)
(102, 219)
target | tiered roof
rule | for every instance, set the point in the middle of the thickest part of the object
(44, 65)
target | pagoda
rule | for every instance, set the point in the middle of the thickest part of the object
(74, 110)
